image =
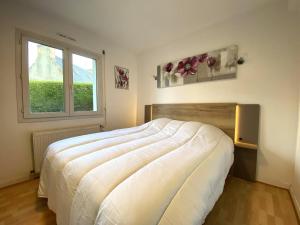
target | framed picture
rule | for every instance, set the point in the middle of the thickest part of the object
(121, 78)
(208, 66)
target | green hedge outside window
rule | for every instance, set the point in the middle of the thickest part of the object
(48, 96)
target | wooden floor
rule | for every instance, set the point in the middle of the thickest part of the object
(19, 205)
(242, 203)
(247, 203)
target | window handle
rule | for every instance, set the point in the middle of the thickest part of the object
(71, 89)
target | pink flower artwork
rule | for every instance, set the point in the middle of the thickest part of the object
(188, 66)
(168, 67)
(121, 78)
(213, 65)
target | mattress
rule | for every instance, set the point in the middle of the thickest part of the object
(163, 172)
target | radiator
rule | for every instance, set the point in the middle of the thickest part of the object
(42, 139)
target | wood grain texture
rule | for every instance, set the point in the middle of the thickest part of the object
(249, 203)
(148, 113)
(19, 205)
(221, 115)
(244, 165)
(242, 203)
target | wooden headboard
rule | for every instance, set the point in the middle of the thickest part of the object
(222, 115)
(238, 121)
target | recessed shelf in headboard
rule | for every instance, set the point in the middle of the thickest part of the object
(247, 125)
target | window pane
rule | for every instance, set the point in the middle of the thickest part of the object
(84, 83)
(46, 81)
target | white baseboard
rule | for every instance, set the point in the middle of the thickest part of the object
(16, 180)
(295, 201)
(274, 183)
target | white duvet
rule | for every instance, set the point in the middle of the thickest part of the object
(164, 172)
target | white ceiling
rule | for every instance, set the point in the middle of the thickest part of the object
(143, 24)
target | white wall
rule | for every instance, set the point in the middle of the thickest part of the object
(15, 138)
(295, 188)
(267, 37)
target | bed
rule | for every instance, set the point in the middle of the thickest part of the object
(165, 172)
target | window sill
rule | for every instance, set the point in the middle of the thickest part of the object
(21, 119)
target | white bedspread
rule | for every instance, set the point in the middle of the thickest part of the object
(163, 172)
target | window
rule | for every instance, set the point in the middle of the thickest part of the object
(57, 80)
(84, 75)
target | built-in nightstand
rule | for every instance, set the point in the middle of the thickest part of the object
(245, 163)
(246, 141)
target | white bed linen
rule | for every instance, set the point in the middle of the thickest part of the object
(59, 154)
(163, 172)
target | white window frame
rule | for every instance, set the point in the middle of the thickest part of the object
(98, 81)
(24, 114)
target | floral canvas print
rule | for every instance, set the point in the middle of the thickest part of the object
(214, 65)
(121, 77)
